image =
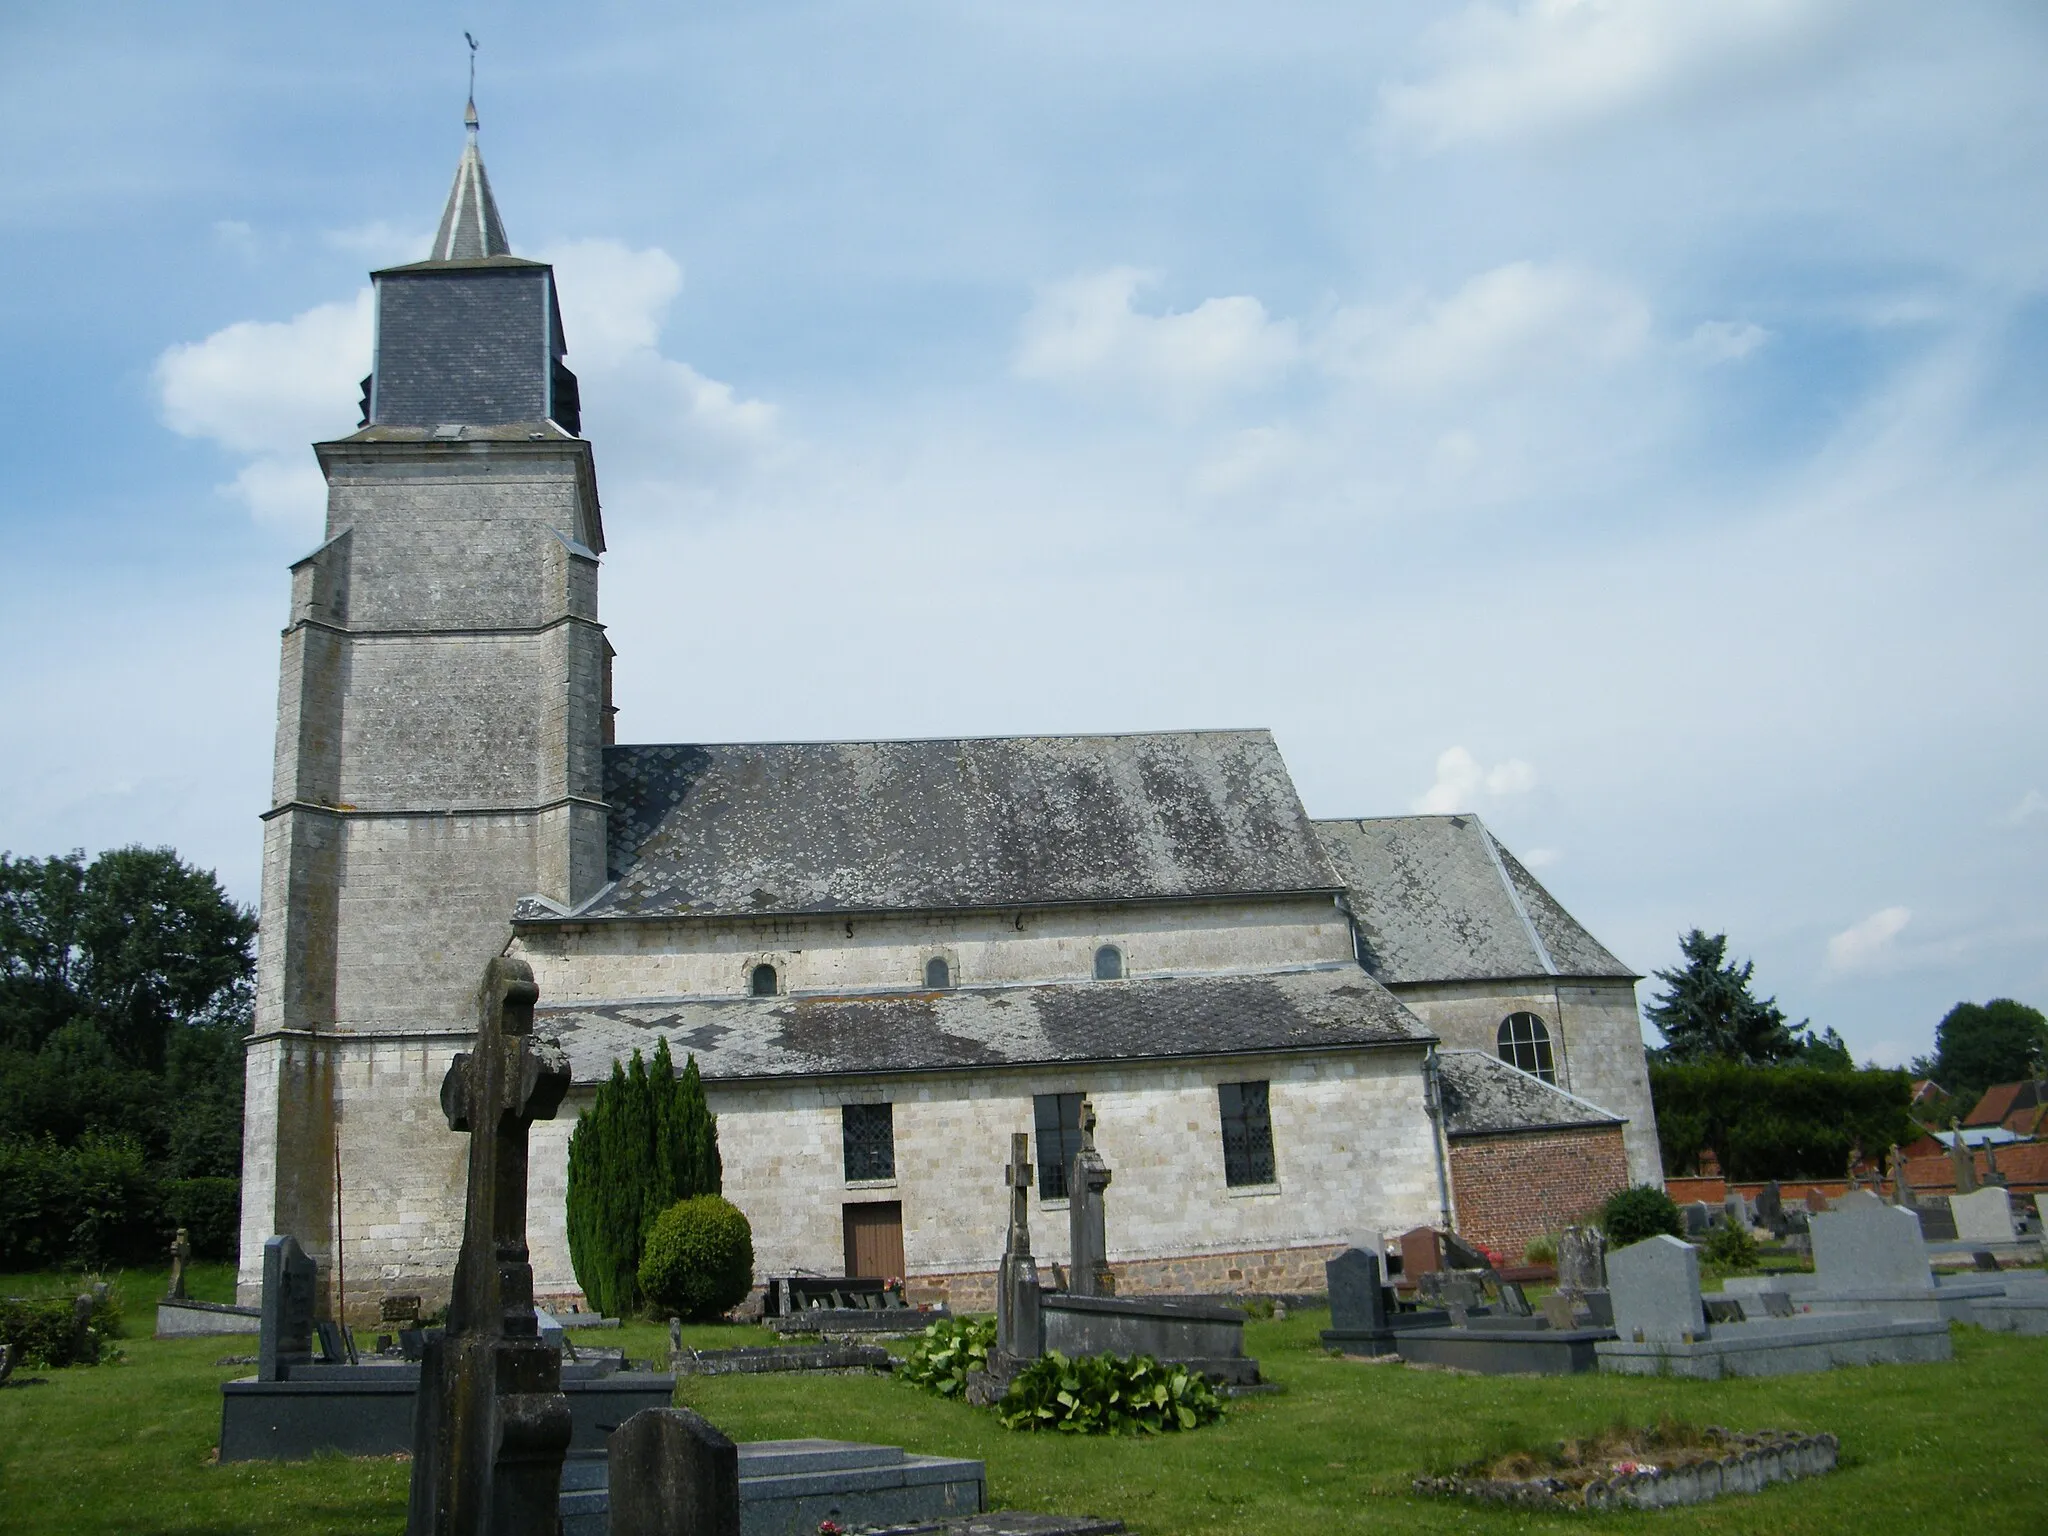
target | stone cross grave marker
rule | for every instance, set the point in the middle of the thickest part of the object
(284, 1334)
(1863, 1242)
(1019, 1330)
(181, 1254)
(1086, 1224)
(1656, 1289)
(1770, 1209)
(491, 1424)
(1961, 1157)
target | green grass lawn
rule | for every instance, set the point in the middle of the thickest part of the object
(127, 1447)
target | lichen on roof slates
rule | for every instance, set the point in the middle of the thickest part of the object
(882, 826)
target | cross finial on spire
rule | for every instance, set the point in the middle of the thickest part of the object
(469, 112)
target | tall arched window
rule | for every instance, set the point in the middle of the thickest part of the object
(762, 982)
(1525, 1043)
(937, 974)
(1109, 963)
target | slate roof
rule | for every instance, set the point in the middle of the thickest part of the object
(1155, 1018)
(1484, 1096)
(470, 227)
(1438, 899)
(980, 822)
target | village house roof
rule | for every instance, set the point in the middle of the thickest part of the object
(1437, 898)
(1155, 1018)
(1484, 1096)
(877, 826)
(2013, 1105)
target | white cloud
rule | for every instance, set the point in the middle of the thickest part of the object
(380, 244)
(1539, 858)
(2033, 805)
(1514, 323)
(1460, 782)
(1504, 73)
(1086, 330)
(267, 389)
(615, 300)
(1867, 945)
(1725, 341)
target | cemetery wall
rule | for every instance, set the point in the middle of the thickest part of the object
(1353, 1149)
(1511, 1189)
(603, 962)
(1596, 1043)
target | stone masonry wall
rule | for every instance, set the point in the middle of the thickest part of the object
(1596, 1041)
(1259, 1272)
(1352, 1148)
(715, 958)
(1510, 1189)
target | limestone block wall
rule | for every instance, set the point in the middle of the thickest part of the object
(599, 962)
(1512, 1189)
(1353, 1150)
(1596, 1042)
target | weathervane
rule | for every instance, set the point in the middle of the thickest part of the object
(469, 116)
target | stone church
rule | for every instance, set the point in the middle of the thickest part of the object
(885, 956)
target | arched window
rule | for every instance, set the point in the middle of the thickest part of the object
(762, 982)
(937, 974)
(1109, 963)
(1525, 1043)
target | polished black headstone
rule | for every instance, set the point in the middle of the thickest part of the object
(284, 1336)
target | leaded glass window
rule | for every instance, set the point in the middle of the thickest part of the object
(869, 1134)
(1247, 1133)
(1058, 1118)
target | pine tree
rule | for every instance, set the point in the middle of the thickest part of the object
(647, 1140)
(1708, 1013)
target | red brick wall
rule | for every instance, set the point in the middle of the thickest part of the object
(1510, 1189)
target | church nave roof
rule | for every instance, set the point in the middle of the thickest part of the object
(751, 829)
(1060, 1022)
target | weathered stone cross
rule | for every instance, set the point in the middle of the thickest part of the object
(492, 1424)
(1087, 1229)
(1018, 1332)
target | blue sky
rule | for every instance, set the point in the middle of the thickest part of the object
(1620, 418)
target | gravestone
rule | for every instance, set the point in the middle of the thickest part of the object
(669, 1473)
(1816, 1202)
(404, 1311)
(1984, 1216)
(1086, 1223)
(1984, 1261)
(284, 1337)
(1863, 1242)
(2041, 1209)
(1735, 1210)
(1581, 1261)
(1699, 1218)
(1514, 1301)
(1422, 1253)
(1655, 1285)
(1902, 1186)
(1020, 1329)
(1937, 1218)
(490, 1424)
(181, 1254)
(1358, 1298)
(1962, 1159)
(1557, 1310)
(1770, 1209)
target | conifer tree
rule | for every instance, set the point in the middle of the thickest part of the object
(647, 1140)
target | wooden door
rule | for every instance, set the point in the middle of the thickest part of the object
(874, 1240)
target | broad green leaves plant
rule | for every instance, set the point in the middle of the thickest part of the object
(1107, 1395)
(947, 1352)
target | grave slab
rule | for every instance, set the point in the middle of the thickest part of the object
(197, 1319)
(1780, 1347)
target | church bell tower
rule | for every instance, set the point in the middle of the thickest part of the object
(442, 711)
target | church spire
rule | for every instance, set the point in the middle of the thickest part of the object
(470, 227)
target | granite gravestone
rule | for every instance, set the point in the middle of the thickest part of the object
(1735, 1210)
(1358, 1296)
(1087, 1225)
(284, 1337)
(1699, 1218)
(669, 1473)
(1581, 1261)
(1656, 1289)
(1020, 1330)
(1770, 1209)
(1864, 1242)
(490, 1423)
(1984, 1216)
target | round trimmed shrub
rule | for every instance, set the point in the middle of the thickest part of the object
(698, 1260)
(1630, 1215)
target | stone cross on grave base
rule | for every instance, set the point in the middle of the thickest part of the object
(491, 1424)
(1019, 1329)
(1086, 1226)
(181, 1255)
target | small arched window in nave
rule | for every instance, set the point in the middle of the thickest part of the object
(937, 974)
(1525, 1043)
(762, 981)
(1109, 963)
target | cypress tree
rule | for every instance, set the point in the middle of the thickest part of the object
(647, 1140)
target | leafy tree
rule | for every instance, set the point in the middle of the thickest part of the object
(1642, 1211)
(1979, 1044)
(1708, 1013)
(124, 1000)
(647, 1140)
